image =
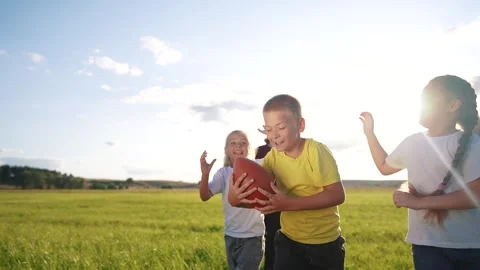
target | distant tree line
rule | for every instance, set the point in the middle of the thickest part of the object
(108, 185)
(27, 177)
(34, 178)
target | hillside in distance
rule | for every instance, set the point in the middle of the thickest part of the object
(167, 184)
(35, 178)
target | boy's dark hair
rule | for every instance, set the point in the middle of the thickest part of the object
(456, 88)
(284, 102)
(266, 141)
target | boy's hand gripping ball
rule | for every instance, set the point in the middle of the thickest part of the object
(258, 173)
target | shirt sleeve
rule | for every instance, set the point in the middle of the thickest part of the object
(328, 168)
(267, 163)
(398, 158)
(217, 184)
(471, 169)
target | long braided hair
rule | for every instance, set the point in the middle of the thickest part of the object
(456, 88)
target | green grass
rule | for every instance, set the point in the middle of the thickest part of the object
(164, 229)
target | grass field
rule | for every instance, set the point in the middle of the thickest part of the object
(167, 229)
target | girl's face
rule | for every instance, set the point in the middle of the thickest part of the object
(237, 146)
(437, 109)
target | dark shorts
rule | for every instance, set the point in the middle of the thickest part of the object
(290, 254)
(435, 258)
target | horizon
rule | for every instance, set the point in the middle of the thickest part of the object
(114, 91)
(187, 182)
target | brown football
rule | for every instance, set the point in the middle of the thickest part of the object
(258, 173)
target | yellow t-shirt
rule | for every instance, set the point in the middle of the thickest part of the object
(306, 175)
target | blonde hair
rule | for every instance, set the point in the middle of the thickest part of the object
(226, 160)
(284, 102)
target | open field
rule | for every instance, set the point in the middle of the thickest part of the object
(167, 229)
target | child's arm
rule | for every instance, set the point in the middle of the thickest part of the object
(205, 193)
(461, 199)
(205, 190)
(378, 153)
(333, 193)
(467, 198)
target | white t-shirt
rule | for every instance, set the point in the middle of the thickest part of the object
(238, 222)
(427, 160)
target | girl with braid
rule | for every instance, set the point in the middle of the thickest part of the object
(443, 190)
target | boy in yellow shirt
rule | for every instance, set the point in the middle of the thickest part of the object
(307, 193)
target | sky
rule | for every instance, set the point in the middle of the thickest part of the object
(107, 89)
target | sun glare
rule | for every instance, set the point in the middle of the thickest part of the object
(456, 176)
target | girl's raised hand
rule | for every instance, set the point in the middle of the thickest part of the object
(368, 123)
(204, 165)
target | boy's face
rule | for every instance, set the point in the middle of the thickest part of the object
(283, 129)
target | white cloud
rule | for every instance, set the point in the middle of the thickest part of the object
(465, 33)
(164, 55)
(84, 72)
(96, 50)
(217, 112)
(142, 171)
(150, 95)
(36, 57)
(106, 87)
(3, 52)
(177, 116)
(135, 71)
(205, 93)
(118, 68)
(44, 163)
(111, 143)
(236, 104)
(476, 84)
(9, 151)
(207, 110)
(380, 67)
(108, 63)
